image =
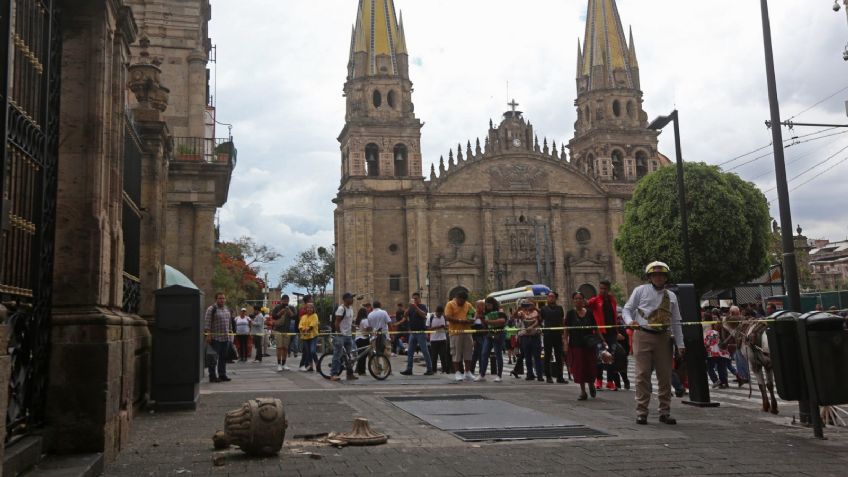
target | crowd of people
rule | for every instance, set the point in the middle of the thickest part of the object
(589, 341)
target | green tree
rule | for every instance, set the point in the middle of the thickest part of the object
(313, 271)
(728, 227)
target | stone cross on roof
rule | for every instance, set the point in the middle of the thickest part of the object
(513, 105)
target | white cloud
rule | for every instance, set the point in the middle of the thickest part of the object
(282, 64)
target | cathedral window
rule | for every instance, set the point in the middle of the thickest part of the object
(587, 290)
(583, 236)
(372, 160)
(391, 98)
(617, 165)
(394, 283)
(456, 236)
(641, 164)
(631, 109)
(616, 108)
(377, 99)
(401, 163)
(590, 165)
(393, 248)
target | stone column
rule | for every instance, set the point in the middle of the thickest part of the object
(488, 241)
(558, 238)
(204, 249)
(196, 82)
(615, 220)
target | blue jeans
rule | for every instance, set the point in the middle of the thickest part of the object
(531, 347)
(741, 364)
(720, 364)
(310, 352)
(341, 344)
(496, 342)
(220, 347)
(421, 340)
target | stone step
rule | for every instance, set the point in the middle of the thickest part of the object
(73, 465)
(22, 455)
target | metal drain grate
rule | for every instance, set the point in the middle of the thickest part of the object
(562, 432)
(455, 397)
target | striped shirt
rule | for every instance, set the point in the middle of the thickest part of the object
(217, 322)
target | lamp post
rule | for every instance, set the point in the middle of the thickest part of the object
(808, 408)
(696, 354)
(657, 124)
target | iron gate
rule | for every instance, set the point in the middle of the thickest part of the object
(30, 43)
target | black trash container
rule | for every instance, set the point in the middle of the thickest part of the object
(828, 349)
(178, 348)
(785, 354)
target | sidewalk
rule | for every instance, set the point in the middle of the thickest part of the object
(731, 439)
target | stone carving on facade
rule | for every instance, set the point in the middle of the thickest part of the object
(258, 427)
(518, 177)
(145, 80)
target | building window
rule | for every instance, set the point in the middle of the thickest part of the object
(456, 236)
(372, 160)
(617, 165)
(401, 163)
(641, 164)
(394, 283)
(391, 98)
(583, 236)
(616, 108)
(631, 109)
(393, 248)
(377, 98)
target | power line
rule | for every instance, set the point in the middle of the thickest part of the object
(811, 179)
(770, 170)
(818, 103)
(744, 155)
(794, 138)
(812, 167)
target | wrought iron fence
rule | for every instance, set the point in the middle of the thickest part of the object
(132, 294)
(195, 149)
(29, 90)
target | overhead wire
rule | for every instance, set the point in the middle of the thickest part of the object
(770, 170)
(818, 103)
(797, 176)
(794, 138)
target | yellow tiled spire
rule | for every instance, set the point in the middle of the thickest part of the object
(379, 35)
(605, 47)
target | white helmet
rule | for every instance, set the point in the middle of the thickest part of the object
(657, 267)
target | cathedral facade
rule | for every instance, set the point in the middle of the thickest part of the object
(503, 212)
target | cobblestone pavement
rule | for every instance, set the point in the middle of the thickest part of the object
(735, 438)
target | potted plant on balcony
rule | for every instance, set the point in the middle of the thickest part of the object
(187, 153)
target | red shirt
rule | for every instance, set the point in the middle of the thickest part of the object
(596, 304)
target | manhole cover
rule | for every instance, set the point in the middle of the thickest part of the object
(564, 432)
(457, 397)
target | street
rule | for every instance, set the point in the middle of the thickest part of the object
(732, 439)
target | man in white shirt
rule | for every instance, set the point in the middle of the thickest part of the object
(342, 342)
(378, 320)
(653, 310)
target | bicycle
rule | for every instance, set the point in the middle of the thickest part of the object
(378, 364)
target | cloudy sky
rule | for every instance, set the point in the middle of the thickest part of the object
(281, 65)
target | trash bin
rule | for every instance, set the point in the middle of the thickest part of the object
(828, 349)
(178, 348)
(786, 355)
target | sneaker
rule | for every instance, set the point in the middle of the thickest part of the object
(480, 378)
(599, 384)
(469, 376)
(224, 379)
(335, 378)
(286, 368)
(406, 372)
(611, 386)
(498, 379)
(666, 419)
(458, 376)
(302, 369)
(279, 367)
(429, 373)
(310, 370)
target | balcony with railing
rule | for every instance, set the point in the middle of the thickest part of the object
(208, 150)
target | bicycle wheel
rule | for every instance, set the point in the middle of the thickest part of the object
(325, 365)
(379, 366)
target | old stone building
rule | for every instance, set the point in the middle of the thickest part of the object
(89, 173)
(506, 211)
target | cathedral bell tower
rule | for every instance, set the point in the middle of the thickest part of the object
(611, 139)
(381, 137)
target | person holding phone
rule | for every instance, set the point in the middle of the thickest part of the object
(531, 339)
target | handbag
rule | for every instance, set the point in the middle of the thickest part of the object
(211, 356)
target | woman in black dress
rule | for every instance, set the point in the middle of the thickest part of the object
(581, 354)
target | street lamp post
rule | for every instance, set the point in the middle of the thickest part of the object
(657, 124)
(696, 354)
(807, 408)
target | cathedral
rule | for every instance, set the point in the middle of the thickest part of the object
(499, 213)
